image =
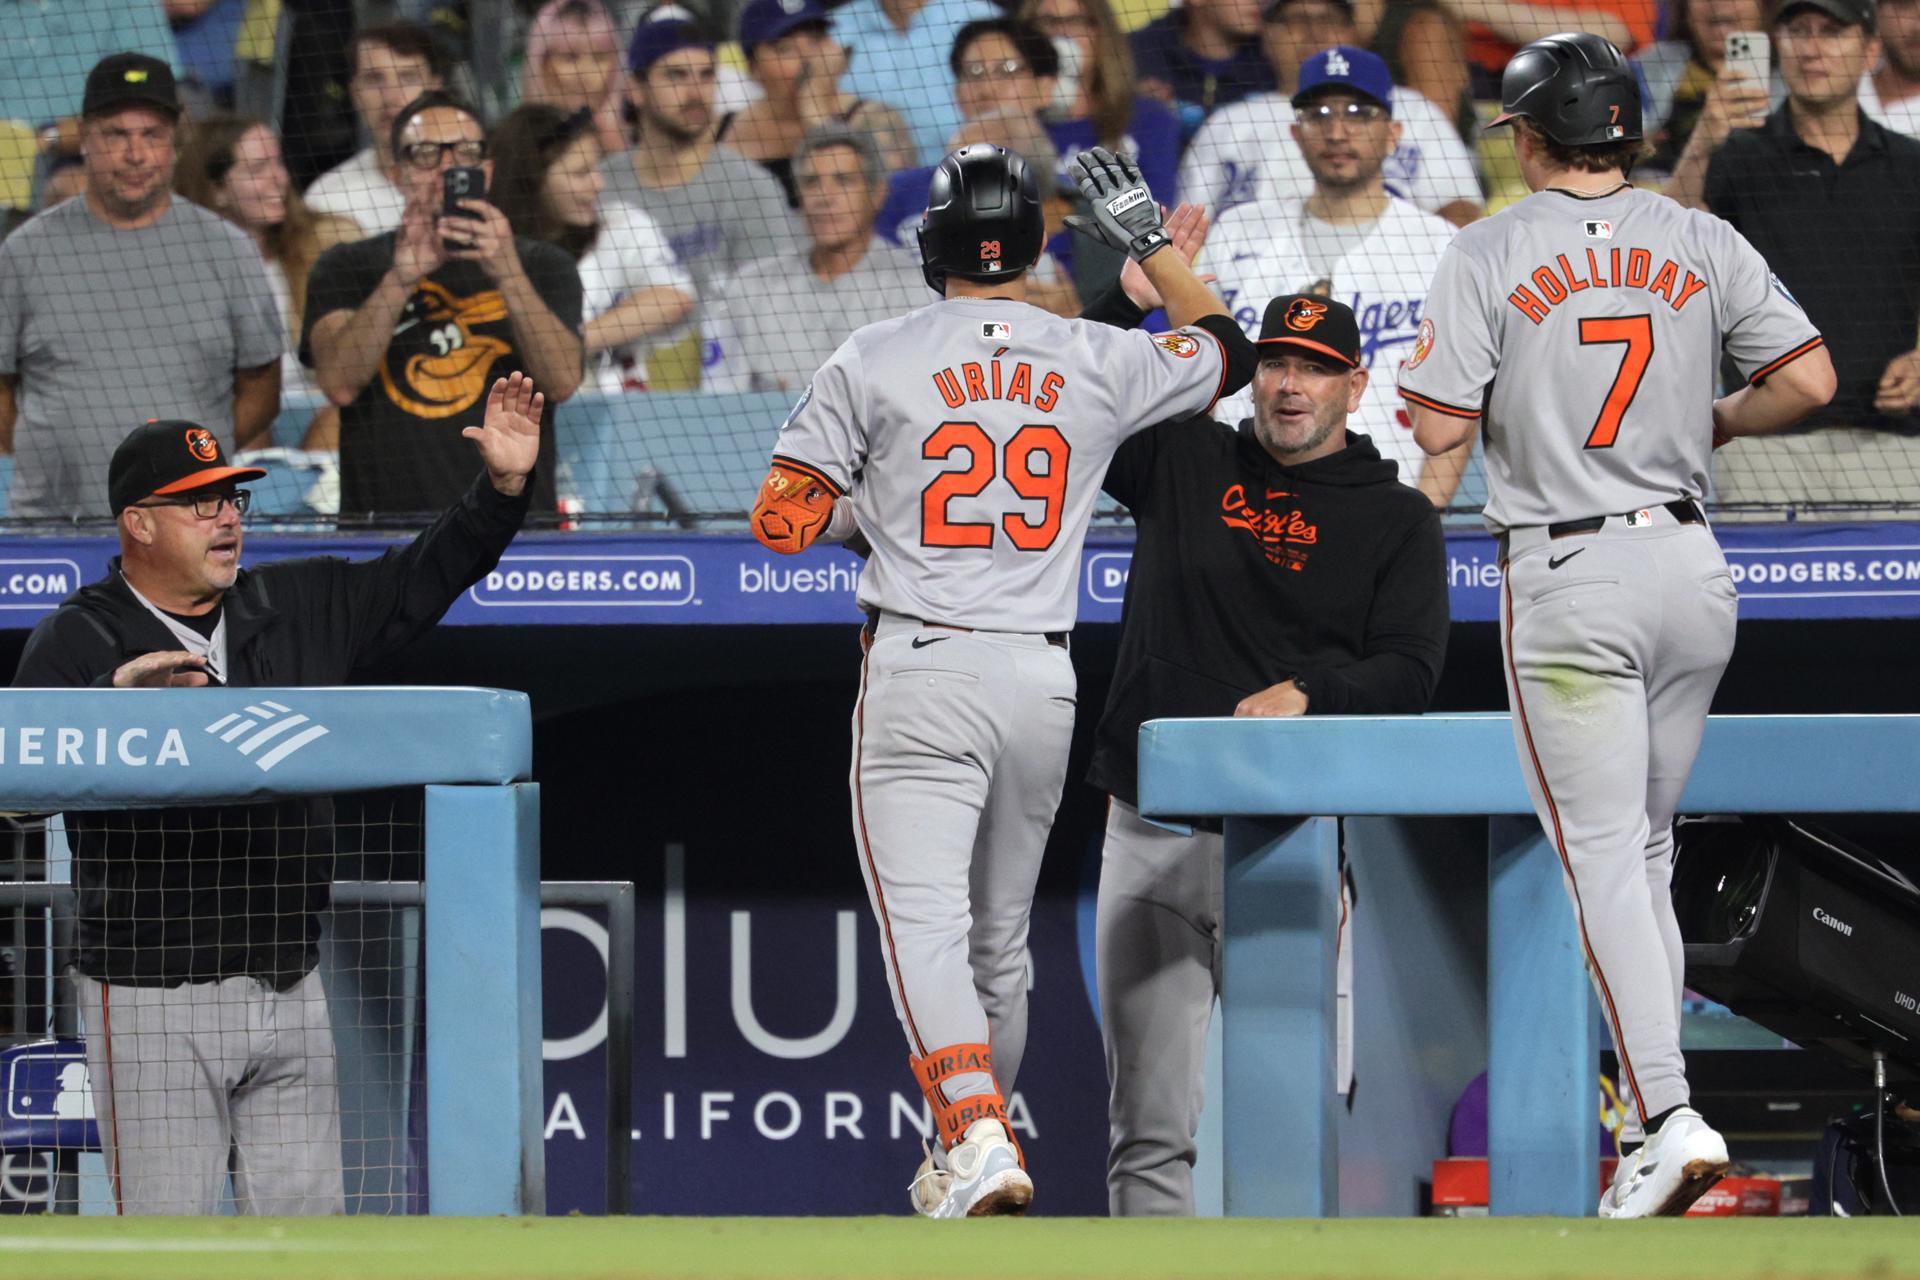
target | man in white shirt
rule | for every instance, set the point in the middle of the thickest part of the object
(1349, 240)
(1241, 153)
(1891, 95)
(788, 314)
(392, 65)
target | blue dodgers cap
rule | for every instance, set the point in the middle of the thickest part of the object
(763, 21)
(1345, 68)
(666, 30)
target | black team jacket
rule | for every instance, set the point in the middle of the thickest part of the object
(1246, 573)
(201, 893)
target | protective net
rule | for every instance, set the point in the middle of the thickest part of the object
(212, 1006)
(688, 209)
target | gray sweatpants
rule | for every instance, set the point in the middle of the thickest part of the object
(959, 753)
(1615, 642)
(192, 1080)
(1158, 954)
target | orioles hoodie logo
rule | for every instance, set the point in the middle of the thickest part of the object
(451, 378)
(1282, 534)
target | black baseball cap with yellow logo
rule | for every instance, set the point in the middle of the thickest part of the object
(169, 456)
(130, 80)
(1315, 323)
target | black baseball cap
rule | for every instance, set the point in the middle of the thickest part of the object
(1317, 324)
(169, 456)
(130, 80)
(1855, 13)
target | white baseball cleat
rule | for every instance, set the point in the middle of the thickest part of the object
(1622, 1178)
(1675, 1167)
(928, 1190)
(985, 1177)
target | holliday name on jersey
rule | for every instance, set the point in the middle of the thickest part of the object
(1561, 280)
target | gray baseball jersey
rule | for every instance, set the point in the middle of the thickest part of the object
(1587, 332)
(973, 434)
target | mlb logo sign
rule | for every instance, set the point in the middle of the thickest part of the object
(46, 1099)
(1597, 229)
(1615, 132)
(995, 331)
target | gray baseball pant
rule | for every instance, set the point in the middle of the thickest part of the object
(1158, 956)
(194, 1080)
(1615, 642)
(959, 754)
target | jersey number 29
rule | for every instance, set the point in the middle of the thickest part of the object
(1034, 464)
(1636, 334)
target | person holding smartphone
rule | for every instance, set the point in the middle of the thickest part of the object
(1718, 79)
(406, 331)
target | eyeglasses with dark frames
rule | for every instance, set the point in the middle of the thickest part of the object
(426, 155)
(206, 506)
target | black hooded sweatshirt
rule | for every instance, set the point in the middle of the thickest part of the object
(1246, 573)
(204, 892)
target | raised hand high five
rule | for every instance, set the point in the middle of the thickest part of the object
(509, 435)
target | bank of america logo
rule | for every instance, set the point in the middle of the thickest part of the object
(266, 724)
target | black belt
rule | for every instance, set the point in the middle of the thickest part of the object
(1058, 639)
(1684, 510)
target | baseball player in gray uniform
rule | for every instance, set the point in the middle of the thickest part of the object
(967, 440)
(1583, 326)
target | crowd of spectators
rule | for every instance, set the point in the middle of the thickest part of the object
(711, 198)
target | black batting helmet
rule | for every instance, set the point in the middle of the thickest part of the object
(983, 218)
(1576, 87)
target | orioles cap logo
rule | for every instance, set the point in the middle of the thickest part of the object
(202, 445)
(1304, 314)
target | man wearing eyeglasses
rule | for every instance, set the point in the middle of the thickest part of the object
(199, 927)
(1242, 156)
(1349, 239)
(405, 331)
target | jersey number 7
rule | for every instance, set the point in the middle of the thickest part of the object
(1636, 334)
(1030, 446)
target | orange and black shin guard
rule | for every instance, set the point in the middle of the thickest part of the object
(951, 1119)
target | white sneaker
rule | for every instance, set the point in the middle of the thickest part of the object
(985, 1175)
(1675, 1167)
(929, 1186)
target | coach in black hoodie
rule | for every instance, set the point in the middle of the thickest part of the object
(1281, 569)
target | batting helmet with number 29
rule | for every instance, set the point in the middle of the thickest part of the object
(983, 220)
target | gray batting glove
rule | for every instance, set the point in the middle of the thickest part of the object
(1125, 215)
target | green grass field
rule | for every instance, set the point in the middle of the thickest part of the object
(806, 1248)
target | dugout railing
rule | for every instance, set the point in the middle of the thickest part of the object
(64, 751)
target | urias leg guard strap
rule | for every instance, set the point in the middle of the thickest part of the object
(952, 1119)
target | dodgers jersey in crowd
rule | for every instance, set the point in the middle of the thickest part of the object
(1380, 270)
(1246, 154)
(1612, 310)
(972, 436)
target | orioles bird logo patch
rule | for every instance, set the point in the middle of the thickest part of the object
(1304, 314)
(1422, 344)
(202, 445)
